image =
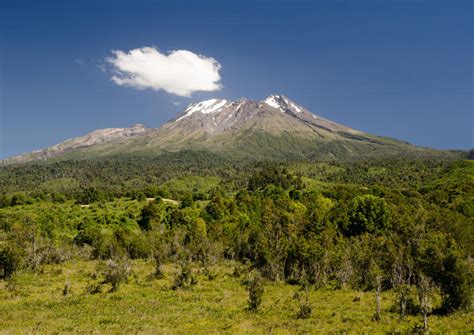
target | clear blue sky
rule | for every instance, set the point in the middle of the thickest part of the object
(402, 69)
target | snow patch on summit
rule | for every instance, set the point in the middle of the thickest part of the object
(272, 102)
(295, 107)
(205, 107)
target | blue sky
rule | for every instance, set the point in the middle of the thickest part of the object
(402, 69)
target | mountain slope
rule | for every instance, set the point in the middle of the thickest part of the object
(275, 128)
(93, 138)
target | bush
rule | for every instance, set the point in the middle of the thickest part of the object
(150, 214)
(256, 289)
(10, 259)
(305, 308)
(116, 272)
(441, 260)
(94, 288)
(67, 287)
(185, 278)
(136, 245)
(186, 200)
(406, 301)
(238, 270)
(53, 255)
(12, 284)
(158, 262)
(137, 195)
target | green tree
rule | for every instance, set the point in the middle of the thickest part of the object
(440, 259)
(368, 213)
(186, 200)
(150, 214)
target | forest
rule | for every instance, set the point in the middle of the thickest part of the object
(313, 247)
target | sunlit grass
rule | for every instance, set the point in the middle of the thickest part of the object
(34, 302)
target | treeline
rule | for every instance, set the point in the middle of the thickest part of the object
(116, 173)
(118, 176)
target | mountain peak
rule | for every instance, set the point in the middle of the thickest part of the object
(214, 106)
(205, 107)
(276, 114)
(273, 101)
(283, 104)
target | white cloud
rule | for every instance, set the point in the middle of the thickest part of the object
(180, 72)
(176, 103)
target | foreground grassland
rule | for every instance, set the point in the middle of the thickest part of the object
(343, 231)
(33, 302)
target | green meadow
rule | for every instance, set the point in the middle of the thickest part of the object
(34, 302)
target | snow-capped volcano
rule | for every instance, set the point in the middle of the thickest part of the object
(275, 127)
(218, 115)
(279, 102)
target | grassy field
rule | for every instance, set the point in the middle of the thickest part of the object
(33, 302)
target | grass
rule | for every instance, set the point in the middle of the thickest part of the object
(34, 303)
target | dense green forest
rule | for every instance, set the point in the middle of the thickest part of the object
(402, 227)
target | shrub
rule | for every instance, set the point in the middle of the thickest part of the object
(53, 255)
(12, 284)
(137, 195)
(256, 289)
(94, 288)
(116, 272)
(441, 260)
(10, 259)
(158, 262)
(136, 245)
(67, 287)
(238, 270)
(186, 200)
(405, 300)
(305, 308)
(185, 278)
(209, 273)
(150, 214)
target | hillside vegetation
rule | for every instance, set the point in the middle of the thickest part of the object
(361, 246)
